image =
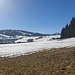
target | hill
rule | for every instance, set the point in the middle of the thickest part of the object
(19, 33)
(10, 36)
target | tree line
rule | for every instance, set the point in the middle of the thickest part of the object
(69, 30)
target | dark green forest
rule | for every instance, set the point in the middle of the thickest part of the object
(69, 30)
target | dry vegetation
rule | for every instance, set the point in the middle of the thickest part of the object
(48, 62)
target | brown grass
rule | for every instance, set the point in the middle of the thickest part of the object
(48, 62)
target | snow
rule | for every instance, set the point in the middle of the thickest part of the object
(37, 39)
(3, 36)
(24, 39)
(9, 50)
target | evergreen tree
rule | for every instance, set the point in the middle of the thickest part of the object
(63, 33)
(73, 26)
(66, 31)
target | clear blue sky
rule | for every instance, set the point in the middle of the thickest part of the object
(44, 16)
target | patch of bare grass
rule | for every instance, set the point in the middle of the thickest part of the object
(48, 62)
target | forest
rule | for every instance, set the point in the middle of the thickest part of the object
(69, 30)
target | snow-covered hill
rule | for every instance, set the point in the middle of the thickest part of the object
(2, 36)
(26, 48)
(19, 33)
(20, 36)
(38, 38)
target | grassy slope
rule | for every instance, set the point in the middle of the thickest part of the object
(49, 62)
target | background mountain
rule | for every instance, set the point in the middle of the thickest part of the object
(22, 33)
(21, 36)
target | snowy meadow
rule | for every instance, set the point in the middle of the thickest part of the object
(46, 42)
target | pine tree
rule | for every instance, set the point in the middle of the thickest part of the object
(63, 33)
(66, 31)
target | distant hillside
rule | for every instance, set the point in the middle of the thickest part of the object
(2, 36)
(19, 33)
(23, 33)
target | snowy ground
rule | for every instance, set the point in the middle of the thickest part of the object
(40, 44)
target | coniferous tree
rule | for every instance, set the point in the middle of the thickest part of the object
(66, 31)
(63, 33)
(73, 26)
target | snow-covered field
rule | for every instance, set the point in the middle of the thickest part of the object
(39, 44)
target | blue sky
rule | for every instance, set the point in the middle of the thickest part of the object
(44, 16)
